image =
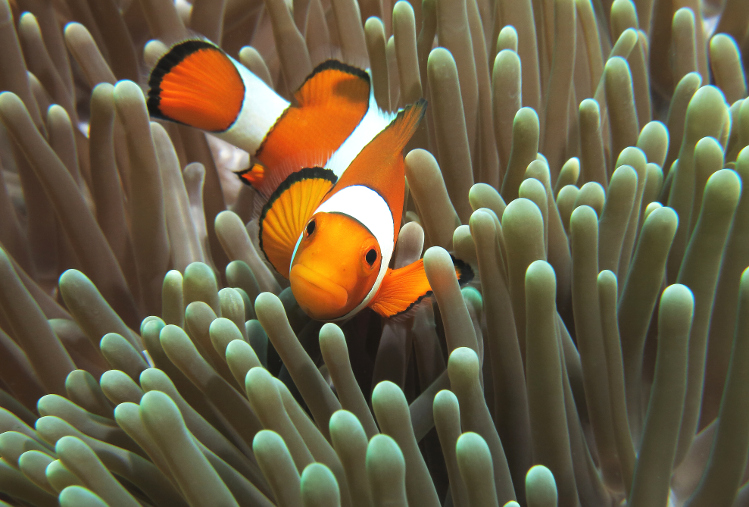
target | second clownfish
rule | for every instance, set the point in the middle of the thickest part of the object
(331, 168)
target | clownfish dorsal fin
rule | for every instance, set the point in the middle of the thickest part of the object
(335, 84)
(289, 208)
(402, 128)
(375, 165)
(404, 289)
(331, 102)
(196, 83)
(379, 165)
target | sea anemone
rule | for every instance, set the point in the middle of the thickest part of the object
(585, 157)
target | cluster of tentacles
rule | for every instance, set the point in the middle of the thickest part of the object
(586, 157)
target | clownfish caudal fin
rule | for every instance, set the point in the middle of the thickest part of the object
(197, 84)
(404, 289)
(287, 212)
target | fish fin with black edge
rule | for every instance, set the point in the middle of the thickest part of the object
(403, 290)
(289, 208)
(463, 271)
(253, 176)
(196, 84)
(331, 102)
(380, 164)
(335, 84)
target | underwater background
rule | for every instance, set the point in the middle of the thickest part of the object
(586, 157)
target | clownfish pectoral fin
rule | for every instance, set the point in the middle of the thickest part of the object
(197, 84)
(254, 176)
(287, 212)
(404, 289)
(401, 290)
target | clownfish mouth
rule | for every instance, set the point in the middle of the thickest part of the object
(319, 297)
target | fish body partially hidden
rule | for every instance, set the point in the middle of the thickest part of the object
(330, 166)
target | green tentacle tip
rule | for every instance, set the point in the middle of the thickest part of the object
(476, 468)
(473, 296)
(522, 213)
(78, 496)
(526, 119)
(387, 392)
(471, 450)
(319, 487)
(706, 113)
(722, 191)
(345, 425)
(72, 278)
(463, 364)
(267, 441)
(539, 276)
(445, 399)
(617, 68)
(158, 410)
(385, 459)
(677, 302)
(199, 284)
(507, 58)
(540, 487)
(151, 324)
(439, 59)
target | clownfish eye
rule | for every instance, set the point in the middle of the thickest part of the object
(371, 257)
(310, 227)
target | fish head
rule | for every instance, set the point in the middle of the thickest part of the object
(335, 266)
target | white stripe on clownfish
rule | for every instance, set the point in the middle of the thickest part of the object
(261, 109)
(375, 121)
(369, 209)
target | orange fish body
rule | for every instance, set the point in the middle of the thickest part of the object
(331, 168)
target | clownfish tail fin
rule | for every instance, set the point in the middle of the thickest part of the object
(196, 84)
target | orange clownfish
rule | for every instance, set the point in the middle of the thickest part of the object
(331, 168)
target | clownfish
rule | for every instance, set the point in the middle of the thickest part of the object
(330, 165)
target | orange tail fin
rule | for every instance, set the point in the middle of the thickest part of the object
(197, 84)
